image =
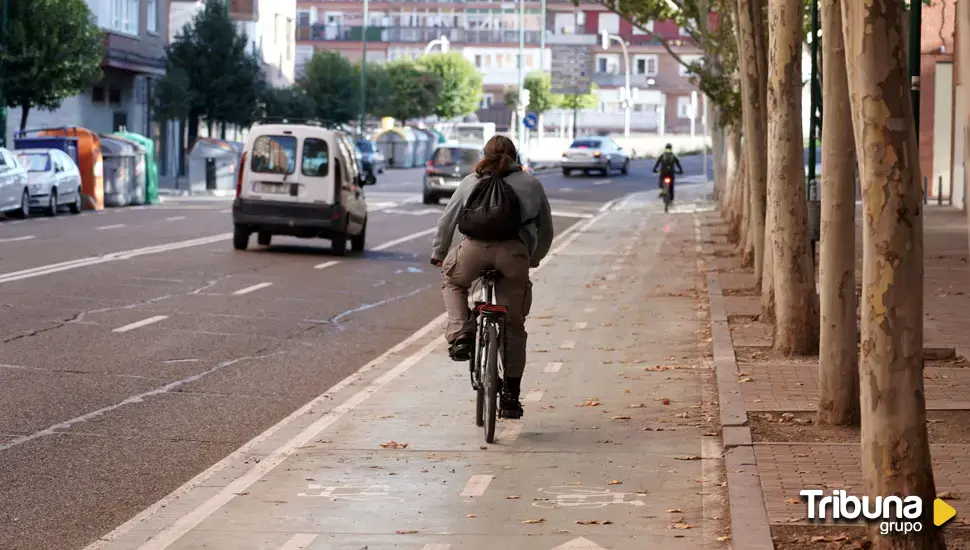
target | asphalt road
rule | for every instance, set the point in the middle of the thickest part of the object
(138, 348)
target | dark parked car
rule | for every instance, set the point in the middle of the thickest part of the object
(372, 159)
(449, 165)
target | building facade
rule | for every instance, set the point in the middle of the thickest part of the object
(135, 37)
(487, 34)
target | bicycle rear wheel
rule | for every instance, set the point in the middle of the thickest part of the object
(490, 384)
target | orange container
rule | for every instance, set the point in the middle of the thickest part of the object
(90, 162)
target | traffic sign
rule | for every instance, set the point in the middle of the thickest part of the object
(572, 69)
(531, 121)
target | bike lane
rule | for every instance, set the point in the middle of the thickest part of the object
(619, 447)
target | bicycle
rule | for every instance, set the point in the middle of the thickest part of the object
(488, 354)
(667, 183)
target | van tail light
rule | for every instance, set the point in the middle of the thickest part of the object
(239, 174)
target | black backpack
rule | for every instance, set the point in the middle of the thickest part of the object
(667, 162)
(492, 211)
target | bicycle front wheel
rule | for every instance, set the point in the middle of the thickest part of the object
(491, 382)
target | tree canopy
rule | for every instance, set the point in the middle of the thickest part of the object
(40, 71)
(461, 83)
(414, 90)
(333, 84)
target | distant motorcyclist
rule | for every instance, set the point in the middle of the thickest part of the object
(666, 164)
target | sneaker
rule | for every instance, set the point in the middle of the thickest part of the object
(510, 408)
(461, 350)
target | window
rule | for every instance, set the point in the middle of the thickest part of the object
(97, 94)
(124, 15)
(486, 102)
(648, 26)
(607, 64)
(684, 71)
(609, 22)
(565, 23)
(274, 155)
(152, 20)
(114, 96)
(35, 162)
(289, 38)
(645, 65)
(478, 61)
(303, 18)
(585, 144)
(683, 107)
(456, 156)
(529, 62)
(316, 157)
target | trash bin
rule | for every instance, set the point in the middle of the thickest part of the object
(150, 192)
(212, 166)
(119, 170)
(398, 147)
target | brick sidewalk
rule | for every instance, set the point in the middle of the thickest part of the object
(780, 454)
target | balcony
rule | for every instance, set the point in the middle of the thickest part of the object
(612, 80)
(419, 35)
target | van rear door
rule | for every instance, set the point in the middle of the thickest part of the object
(272, 168)
(317, 172)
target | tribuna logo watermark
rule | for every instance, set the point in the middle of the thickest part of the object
(896, 515)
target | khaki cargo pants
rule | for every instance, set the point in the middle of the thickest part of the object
(462, 268)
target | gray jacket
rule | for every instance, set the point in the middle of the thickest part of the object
(533, 201)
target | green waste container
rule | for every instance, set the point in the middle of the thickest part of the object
(151, 167)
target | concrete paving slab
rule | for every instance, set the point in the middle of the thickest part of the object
(742, 306)
(752, 335)
(737, 281)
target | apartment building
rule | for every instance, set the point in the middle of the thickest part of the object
(135, 33)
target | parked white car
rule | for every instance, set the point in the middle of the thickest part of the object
(14, 192)
(55, 180)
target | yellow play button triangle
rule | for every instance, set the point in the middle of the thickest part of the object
(942, 512)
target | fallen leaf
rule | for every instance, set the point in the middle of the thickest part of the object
(407, 532)
(666, 401)
(385, 417)
(512, 497)
(471, 516)
(689, 457)
(947, 494)
(793, 501)
(637, 406)
(589, 403)
(682, 525)
(594, 522)
(615, 482)
(674, 511)
(621, 418)
(745, 379)
(823, 538)
(723, 539)
(533, 521)
(242, 494)
(394, 445)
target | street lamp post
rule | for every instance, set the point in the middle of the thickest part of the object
(915, 30)
(627, 91)
(442, 41)
(520, 125)
(3, 75)
(363, 70)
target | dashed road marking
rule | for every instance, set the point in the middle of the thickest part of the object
(300, 541)
(566, 214)
(568, 344)
(253, 288)
(476, 486)
(602, 182)
(175, 218)
(581, 325)
(436, 547)
(553, 367)
(325, 265)
(17, 239)
(142, 323)
(107, 227)
(404, 239)
(534, 396)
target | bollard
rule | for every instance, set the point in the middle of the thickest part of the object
(939, 192)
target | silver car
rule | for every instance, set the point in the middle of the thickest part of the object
(14, 193)
(55, 180)
(601, 154)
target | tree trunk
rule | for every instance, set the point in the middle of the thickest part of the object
(731, 169)
(793, 268)
(24, 113)
(745, 247)
(895, 446)
(963, 54)
(753, 60)
(222, 131)
(838, 340)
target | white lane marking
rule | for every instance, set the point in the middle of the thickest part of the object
(436, 547)
(511, 431)
(300, 541)
(581, 325)
(602, 182)
(253, 288)
(607, 205)
(553, 367)
(567, 214)
(107, 227)
(566, 189)
(175, 218)
(142, 323)
(476, 486)
(405, 239)
(534, 396)
(16, 239)
(113, 257)
(224, 211)
(325, 265)
(568, 344)
(189, 521)
(611, 277)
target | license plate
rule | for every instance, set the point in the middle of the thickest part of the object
(269, 188)
(579, 156)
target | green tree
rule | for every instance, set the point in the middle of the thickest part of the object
(210, 73)
(290, 102)
(54, 51)
(379, 91)
(541, 98)
(577, 103)
(461, 83)
(333, 84)
(414, 91)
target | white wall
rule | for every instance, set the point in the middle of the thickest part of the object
(942, 126)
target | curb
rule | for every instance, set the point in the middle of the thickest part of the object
(750, 528)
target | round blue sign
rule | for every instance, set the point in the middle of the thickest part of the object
(531, 121)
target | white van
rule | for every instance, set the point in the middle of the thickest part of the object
(300, 180)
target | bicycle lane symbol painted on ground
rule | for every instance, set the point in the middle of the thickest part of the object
(354, 492)
(585, 498)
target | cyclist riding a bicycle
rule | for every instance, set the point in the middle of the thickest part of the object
(666, 164)
(523, 241)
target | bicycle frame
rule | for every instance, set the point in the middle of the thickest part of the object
(483, 318)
